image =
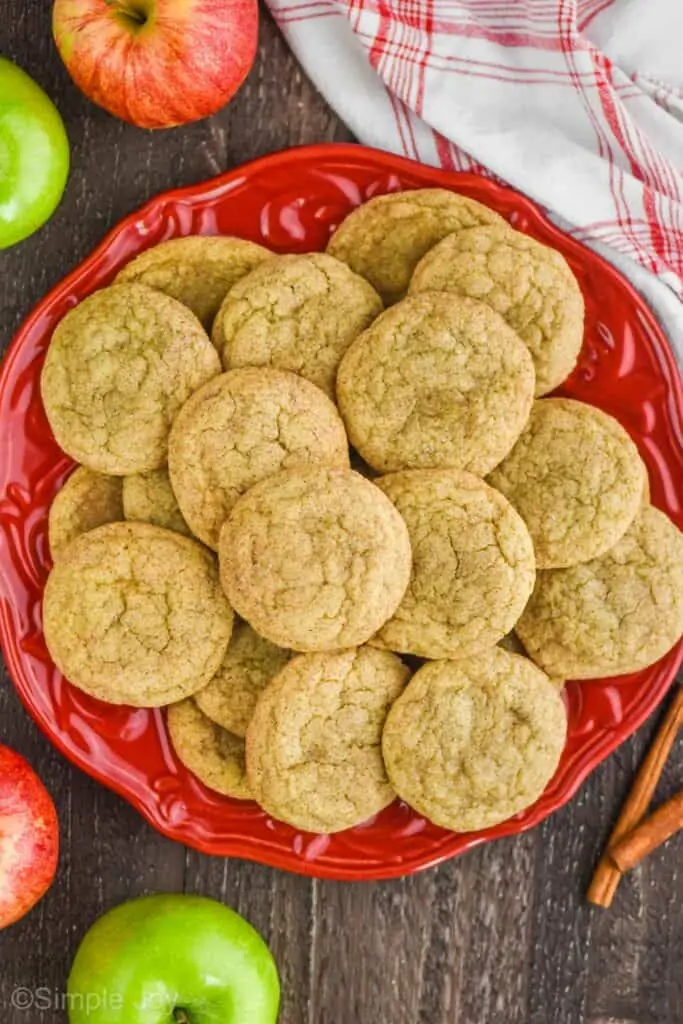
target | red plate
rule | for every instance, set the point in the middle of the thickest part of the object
(290, 202)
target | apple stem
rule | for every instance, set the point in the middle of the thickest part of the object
(180, 1017)
(128, 9)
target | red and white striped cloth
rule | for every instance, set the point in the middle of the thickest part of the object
(577, 103)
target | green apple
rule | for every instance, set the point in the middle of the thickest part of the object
(34, 155)
(173, 959)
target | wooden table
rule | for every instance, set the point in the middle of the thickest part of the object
(500, 936)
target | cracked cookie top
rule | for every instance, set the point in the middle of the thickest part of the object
(86, 500)
(315, 559)
(313, 745)
(529, 284)
(249, 665)
(437, 381)
(473, 565)
(297, 313)
(618, 613)
(197, 270)
(118, 368)
(471, 743)
(575, 477)
(149, 498)
(214, 755)
(385, 238)
(240, 428)
(133, 614)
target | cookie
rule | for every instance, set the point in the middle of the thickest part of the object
(437, 381)
(471, 743)
(514, 645)
(529, 284)
(118, 368)
(297, 313)
(85, 501)
(384, 239)
(214, 755)
(240, 428)
(616, 614)
(249, 666)
(313, 744)
(576, 479)
(149, 498)
(133, 614)
(473, 565)
(315, 559)
(197, 270)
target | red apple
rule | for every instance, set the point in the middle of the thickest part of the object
(157, 63)
(29, 838)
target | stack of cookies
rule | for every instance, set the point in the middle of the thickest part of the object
(216, 553)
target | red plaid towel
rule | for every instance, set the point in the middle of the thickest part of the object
(577, 103)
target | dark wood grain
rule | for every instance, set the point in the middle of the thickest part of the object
(500, 936)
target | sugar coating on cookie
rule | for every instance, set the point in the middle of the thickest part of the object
(473, 565)
(197, 270)
(249, 665)
(240, 428)
(133, 614)
(385, 238)
(576, 479)
(437, 381)
(470, 743)
(149, 498)
(118, 368)
(315, 559)
(214, 755)
(313, 746)
(529, 284)
(86, 500)
(616, 614)
(297, 313)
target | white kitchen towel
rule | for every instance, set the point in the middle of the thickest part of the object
(577, 103)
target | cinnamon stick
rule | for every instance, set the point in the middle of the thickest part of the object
(650, 834)
(607, 875)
